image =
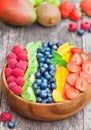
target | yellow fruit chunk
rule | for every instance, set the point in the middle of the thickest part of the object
(60, 75)
(67, 56)
(63, 46)
(57, 97)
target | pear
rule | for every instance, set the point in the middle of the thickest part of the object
(17, 12)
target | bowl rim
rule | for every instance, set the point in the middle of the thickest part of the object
(35, 103)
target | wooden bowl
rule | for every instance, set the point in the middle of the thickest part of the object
(44, 112)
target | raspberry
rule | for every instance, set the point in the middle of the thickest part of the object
(17, 90)
(10, 79)
(11, 55)
(85, 25)
(22, 64)
(8, 71)
(17, 72)
(12, 63)
(20, 81)
(16, 49)
(72, 26)
(12, 85)
(6, 116)
(22, 56)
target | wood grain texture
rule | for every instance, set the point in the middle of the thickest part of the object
(9, 36)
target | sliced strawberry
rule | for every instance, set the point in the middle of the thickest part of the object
(85, 56)
(81, 83)
(66, 86)
(76, 58)
(86, 67)
(72, 93)
(86, 75)
(72, 67)
(76, 50)
(71, 78)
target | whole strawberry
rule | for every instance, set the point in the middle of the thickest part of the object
(6, 116)
(66, 8)
(75, 15)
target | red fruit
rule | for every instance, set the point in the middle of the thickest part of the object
(20, 81)
(72, 26)
(76, 58)
(12, 85)
(66, 8)
(11, 55)
(85, 56)
(8, 71)
(17, 90)
(17, 49)
(6, 116)
(81, 83)
(71, 78)
(10, 79)
(76, 50)
(85, 25)
(17, 12)
(17, 72)
(86, 75)
(22, 56)
(72, 67)
(22, 64)
(86, 6)
(75, 15)
(86, 67)
(66, 86)
(72, 93)
(12, 63)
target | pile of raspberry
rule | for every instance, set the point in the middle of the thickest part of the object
(17, 63)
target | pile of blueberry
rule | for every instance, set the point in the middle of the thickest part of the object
(45, 80)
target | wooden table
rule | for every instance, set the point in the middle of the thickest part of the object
(9, 36)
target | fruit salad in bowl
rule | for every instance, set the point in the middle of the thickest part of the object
(47, 81)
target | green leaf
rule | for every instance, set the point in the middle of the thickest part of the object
(62, 63)
(53, 61)
(56, 55)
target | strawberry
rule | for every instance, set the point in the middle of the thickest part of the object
(17, 12)
(75, 15)
(66, 8)
(86, 7)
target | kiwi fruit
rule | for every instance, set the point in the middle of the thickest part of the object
(48, 15)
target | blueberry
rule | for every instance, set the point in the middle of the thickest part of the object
(49, 100)
(45, 66)
(48, 61)
(42, 49)
(54, 47)
(38, 81)
(47, 53)
(38, 74)
(39, 55)
(53, 86)
(11, 124)
(80, 32)
(47, 76)
(42, 60)
(48, 49)
(52, 73)
(50, 43)
(44, 85)
(52, 80)
(37, 91)
(44, 101)
(52, 67)
(49, 94)
(39, 99)
(44, 80)
(40, 65)
(35, 86)
(43, 94)
(89, 29)
(45, 45)
(42, 70)
(58, 44)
